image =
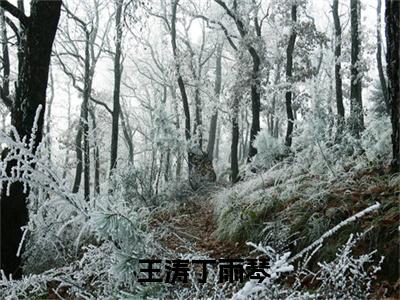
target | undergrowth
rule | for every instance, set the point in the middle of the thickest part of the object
(301, 213)
(318, 185)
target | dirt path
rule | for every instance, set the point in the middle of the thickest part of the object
(192, 229)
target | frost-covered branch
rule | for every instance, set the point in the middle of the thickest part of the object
(26, 166)
(335, 229)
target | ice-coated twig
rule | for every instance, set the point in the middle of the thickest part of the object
(334, 229)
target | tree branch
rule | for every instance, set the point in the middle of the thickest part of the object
(239, 24)
(224, 29)
(13, 27)
(13, 10)
(102, 104)
(74, 17)
(78, 88)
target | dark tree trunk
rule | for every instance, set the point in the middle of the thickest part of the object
(168, 156)
(127, 136)
(242, 142)
(246, 146)
(356, 110)
(181, 84)
(212, 135)
(197, 130)
(382, 78)
(393, 74)
(86, 148)
(5, 89)
(82, 153)
(214, 117)
(289, 66)
(79, 156)
(255, 103)
(167, 166)
(276, 128)
(40, 29)
(96, 153)
(338, 67)
(21, 37)
(83, 130)
(117, 86)
(235, 140)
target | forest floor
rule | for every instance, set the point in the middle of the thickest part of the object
(191, 228)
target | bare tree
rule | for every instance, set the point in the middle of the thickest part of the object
(198, 60)
(197, 160)
(255, 80)
(181, 84)
(88, 64)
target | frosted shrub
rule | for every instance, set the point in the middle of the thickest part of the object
(120, 238)
(347, 276)
(269, 149)
(270, 287)
(29, 287)
(100, 249)
(308, 132)
(137, 187)
(317, 152)
(90, 248)
(56, 216)
(34, 170)
(376, 140)
(56, 232)
(276, 234)
(135, 184)
(126, 228)
(312, 146)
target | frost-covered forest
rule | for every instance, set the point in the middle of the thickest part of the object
(200, 149)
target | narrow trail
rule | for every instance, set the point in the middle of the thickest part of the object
(192, 229)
